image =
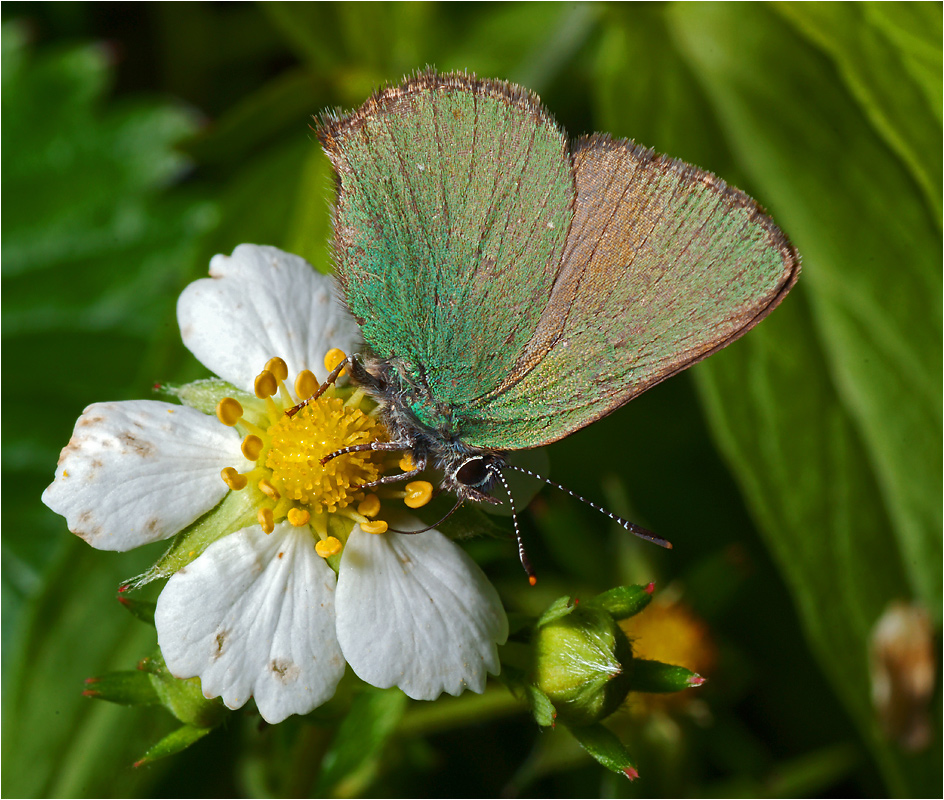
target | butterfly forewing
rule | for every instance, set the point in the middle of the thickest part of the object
(454, 200)
(664, 264)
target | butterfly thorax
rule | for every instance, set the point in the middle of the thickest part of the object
(426, 428)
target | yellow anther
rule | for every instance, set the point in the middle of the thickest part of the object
(233, 479)
(329, 547)
(265, 385)
(376, 526)
(418, 493)
(229, 411)
(251, 447)
(266, 520)
(406, 463)
(334, 357)
(369, 506)
(298, 516)
(270, 491)
(277, 367)
(306, 384)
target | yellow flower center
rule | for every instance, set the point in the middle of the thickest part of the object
(297, 444)
(289, 437)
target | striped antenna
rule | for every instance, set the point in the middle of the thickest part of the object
(522, 555)
(636, 530)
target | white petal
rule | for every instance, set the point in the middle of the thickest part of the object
(254, 616)
(415, 611)
(139, 471)
(260, 303)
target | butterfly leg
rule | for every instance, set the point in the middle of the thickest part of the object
(383, 446)
(332, 377)
(417, 469)
(361, 448)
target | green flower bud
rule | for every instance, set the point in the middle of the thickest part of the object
(183, 698)
(583, 663)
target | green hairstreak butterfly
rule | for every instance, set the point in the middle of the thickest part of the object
(513, 287)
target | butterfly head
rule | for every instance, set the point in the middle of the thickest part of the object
(468, 472)
(471, 477)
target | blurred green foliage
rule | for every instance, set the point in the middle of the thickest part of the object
(797, 472)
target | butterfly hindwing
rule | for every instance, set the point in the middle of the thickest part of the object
(663, 265)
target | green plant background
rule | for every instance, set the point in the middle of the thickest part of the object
(797, 472)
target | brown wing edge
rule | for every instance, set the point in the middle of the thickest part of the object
(331, 126)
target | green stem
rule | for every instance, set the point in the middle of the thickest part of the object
(454, 712)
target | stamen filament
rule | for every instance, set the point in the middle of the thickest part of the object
(319, 524)
(251, 427)
(355, 399)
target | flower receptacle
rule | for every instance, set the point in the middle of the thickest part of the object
(583, 663)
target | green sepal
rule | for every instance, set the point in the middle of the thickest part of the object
(127, 688)
(204, 395)
(152, 664)
(623, 602)
(605, 747)
(183, 698)
(542, 709)
(519, 684)
(142, 609)
(174, 742)
(559, 608)
(236, 510)
(656, 677)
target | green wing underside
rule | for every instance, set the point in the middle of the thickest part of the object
(533, 291)
(663, 265)
(453, 205)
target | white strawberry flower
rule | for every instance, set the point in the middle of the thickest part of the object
(283, 571)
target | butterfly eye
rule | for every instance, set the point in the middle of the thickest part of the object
(473, 472)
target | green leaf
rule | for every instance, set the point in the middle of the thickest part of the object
(354, 757)
(601, 743)
(871, 250)
(57, 743)
(310, 231)
(829, 411)
(173, 743)
(915, 29)
(876, 68)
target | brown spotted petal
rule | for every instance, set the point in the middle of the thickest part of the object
(140, 471)
(254, 617)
